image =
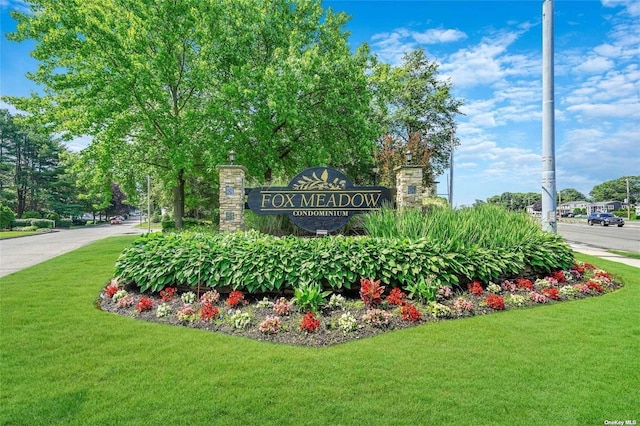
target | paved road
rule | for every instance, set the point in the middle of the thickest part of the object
(626, 238)
(20, 253)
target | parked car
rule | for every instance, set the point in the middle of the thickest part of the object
(605, 219)
(116, 220)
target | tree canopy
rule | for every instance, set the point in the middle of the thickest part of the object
(416, 111)
(616, 190)
(168, 88)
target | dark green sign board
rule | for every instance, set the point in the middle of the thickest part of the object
(318, 199)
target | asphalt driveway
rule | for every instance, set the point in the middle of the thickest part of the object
(20, 253)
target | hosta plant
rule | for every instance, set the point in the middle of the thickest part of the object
(309, 297)
(422, 290)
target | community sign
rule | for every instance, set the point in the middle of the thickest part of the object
(319, 199)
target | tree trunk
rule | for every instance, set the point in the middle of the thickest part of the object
(178, 200)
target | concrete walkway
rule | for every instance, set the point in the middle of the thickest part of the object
(595, 251)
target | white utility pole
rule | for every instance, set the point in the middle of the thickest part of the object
(451, 173)
(549, 208)
(628, 202)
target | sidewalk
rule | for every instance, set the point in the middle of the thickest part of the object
(594, 251)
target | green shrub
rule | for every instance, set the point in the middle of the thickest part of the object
(42, 223)
(21, 223)
(255, 262)
(64, 223)
(52, 216)
(6, 217)
(31, 214)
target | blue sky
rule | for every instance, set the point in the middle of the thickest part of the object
(492, 53)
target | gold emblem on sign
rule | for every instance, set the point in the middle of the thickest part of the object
(322, 182)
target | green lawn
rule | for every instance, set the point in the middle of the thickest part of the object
(14, 234)
(65, 362)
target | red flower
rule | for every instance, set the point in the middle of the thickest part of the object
(524, 284)
(410, 313)
(371, 292)
(559, 276)
(235, 298)
(396, 296)
(594, 286)
(168, 293)
(602, 274)
(475, 288)
(145, 304)
(209, 311)
(110, 290)
(309, 322)
(495, 302)
(551, 293)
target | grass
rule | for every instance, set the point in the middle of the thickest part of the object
(15, 234)
(629, 254)
(65, 362)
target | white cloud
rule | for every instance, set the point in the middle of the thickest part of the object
(594, 65)
(434, 36)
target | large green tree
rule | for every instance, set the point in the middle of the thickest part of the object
(570, 194)
(416, 110)
(30, 167)
(169, 87)
(616, 190)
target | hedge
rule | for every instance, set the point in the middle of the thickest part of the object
(38, 223)
(255, 262)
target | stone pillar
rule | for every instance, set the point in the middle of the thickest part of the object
(232, 198)
(408, 186)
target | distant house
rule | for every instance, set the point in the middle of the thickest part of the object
(606, 206)
(571, 206)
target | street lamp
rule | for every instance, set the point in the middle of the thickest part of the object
(232, 157)
(409, 156)
(375, 171)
